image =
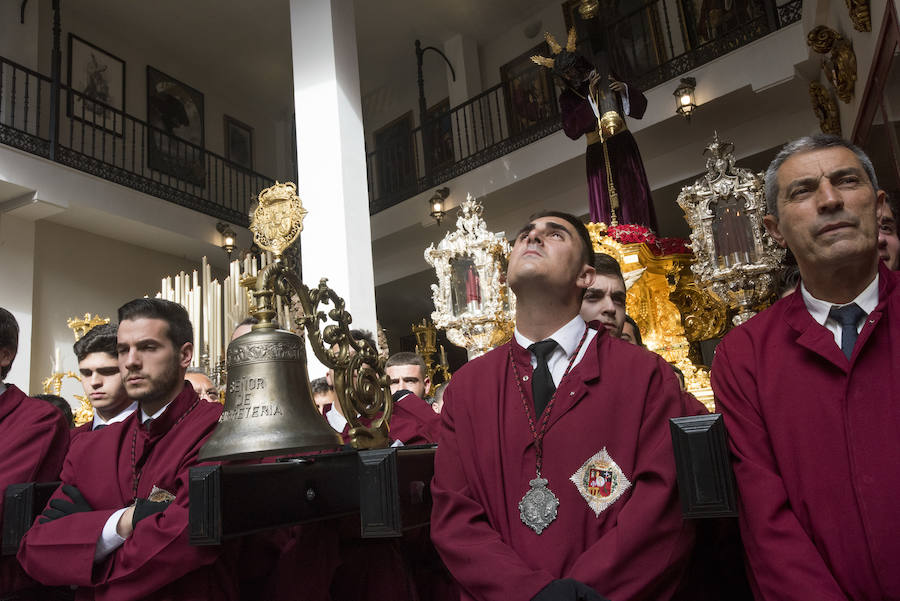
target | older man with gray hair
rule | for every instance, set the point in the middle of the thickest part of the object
(808, 392)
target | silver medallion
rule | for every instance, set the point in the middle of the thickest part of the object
(537, 509)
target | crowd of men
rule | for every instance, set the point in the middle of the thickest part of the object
(554, 474)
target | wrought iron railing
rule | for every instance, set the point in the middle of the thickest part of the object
(99, 139)
(656, 42)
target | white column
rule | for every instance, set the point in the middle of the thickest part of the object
(463, 55)
(336, 240)
(17, 290)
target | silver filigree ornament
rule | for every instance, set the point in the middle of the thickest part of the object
(537, 509)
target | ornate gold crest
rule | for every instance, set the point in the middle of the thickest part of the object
(278, 220)
(600, 481)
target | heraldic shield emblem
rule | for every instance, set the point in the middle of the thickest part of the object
(600, 481)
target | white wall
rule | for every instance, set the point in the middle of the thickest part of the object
(76, 273)
(16, 287)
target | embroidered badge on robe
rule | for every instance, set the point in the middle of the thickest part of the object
(160, 494)
(600, 481)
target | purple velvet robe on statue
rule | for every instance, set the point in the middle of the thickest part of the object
(629, 178)
(156, 562)
(816, 448)
(619, 397)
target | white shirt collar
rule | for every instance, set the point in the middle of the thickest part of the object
(336, 420)
(145, 417)
(121, 416)
(567, 336)
(819, 309)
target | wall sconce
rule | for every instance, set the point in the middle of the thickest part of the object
(228, 237)
(684, 97)
(437, 203)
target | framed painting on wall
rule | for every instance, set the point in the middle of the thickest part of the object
(238, 143)
(440, 134)
(176, 137)
(97, 86)
(395, 158)
(528, 91)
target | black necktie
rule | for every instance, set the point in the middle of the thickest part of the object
(542, 386)
(100, 426)
(848, 316)
(146, 424)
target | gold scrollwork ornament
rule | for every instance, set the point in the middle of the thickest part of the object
(839, 64)
(825, 108)
(859, 15)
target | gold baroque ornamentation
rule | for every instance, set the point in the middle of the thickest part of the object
(653, 304)
(278, 220)
(825, 108)
(744, 280)
(81, 326)
(859, 14)
(840, 61)
(488, 322)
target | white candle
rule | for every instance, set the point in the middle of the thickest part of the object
(56, 365)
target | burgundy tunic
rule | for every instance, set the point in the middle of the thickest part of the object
(34, 438)
(157, 561)
(413, 421)
(629, 178)
(619, 397)
(816, 450)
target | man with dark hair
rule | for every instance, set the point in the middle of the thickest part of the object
(323, 394)
(631, 332)
(808, 390)
(117, 528)
(98, 365)
(554, 478)
(888, 240)
(60, 403)
(33, 440)
(604, 301)
(412, 421)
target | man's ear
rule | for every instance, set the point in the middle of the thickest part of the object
(771, 223)
(880, 203)
(427, 382)
(6, 357)
(185, 354)
(586, 277)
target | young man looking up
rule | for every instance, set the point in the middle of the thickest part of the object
(98, 365)
(554, 477)
(117, 528)
(34, 438)
(810, 394)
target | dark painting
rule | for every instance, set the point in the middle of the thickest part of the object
(238, 143)
(97, 81)
(176, 137)
(528, 91)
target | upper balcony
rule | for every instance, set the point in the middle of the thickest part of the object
(655, 42)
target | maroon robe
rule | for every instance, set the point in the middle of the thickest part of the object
(816, 448)
(413, 421)
(157, 561)
(619, 397)
(34, 438)
(629, 178)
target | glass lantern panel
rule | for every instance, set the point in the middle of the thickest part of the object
(732, 233)
(465, 285)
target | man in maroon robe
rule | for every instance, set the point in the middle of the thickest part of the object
(615, 528)
(810, 394)
(34, 438)
(117, 528)
(413, 421)
(98, 365)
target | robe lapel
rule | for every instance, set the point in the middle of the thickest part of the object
(811, 334)
(512, 412)
(573, 389)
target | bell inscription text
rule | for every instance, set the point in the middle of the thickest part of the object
(242, 391)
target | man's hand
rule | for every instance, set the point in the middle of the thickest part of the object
(616, 86)
(594, 83)
(60, 507)
(144, 508)
(568, 589)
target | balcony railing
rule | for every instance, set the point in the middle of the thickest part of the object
(98, 139)
(655, 43)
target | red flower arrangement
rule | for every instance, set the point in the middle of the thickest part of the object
(627, 233)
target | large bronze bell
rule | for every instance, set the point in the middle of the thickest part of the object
(268, 403)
